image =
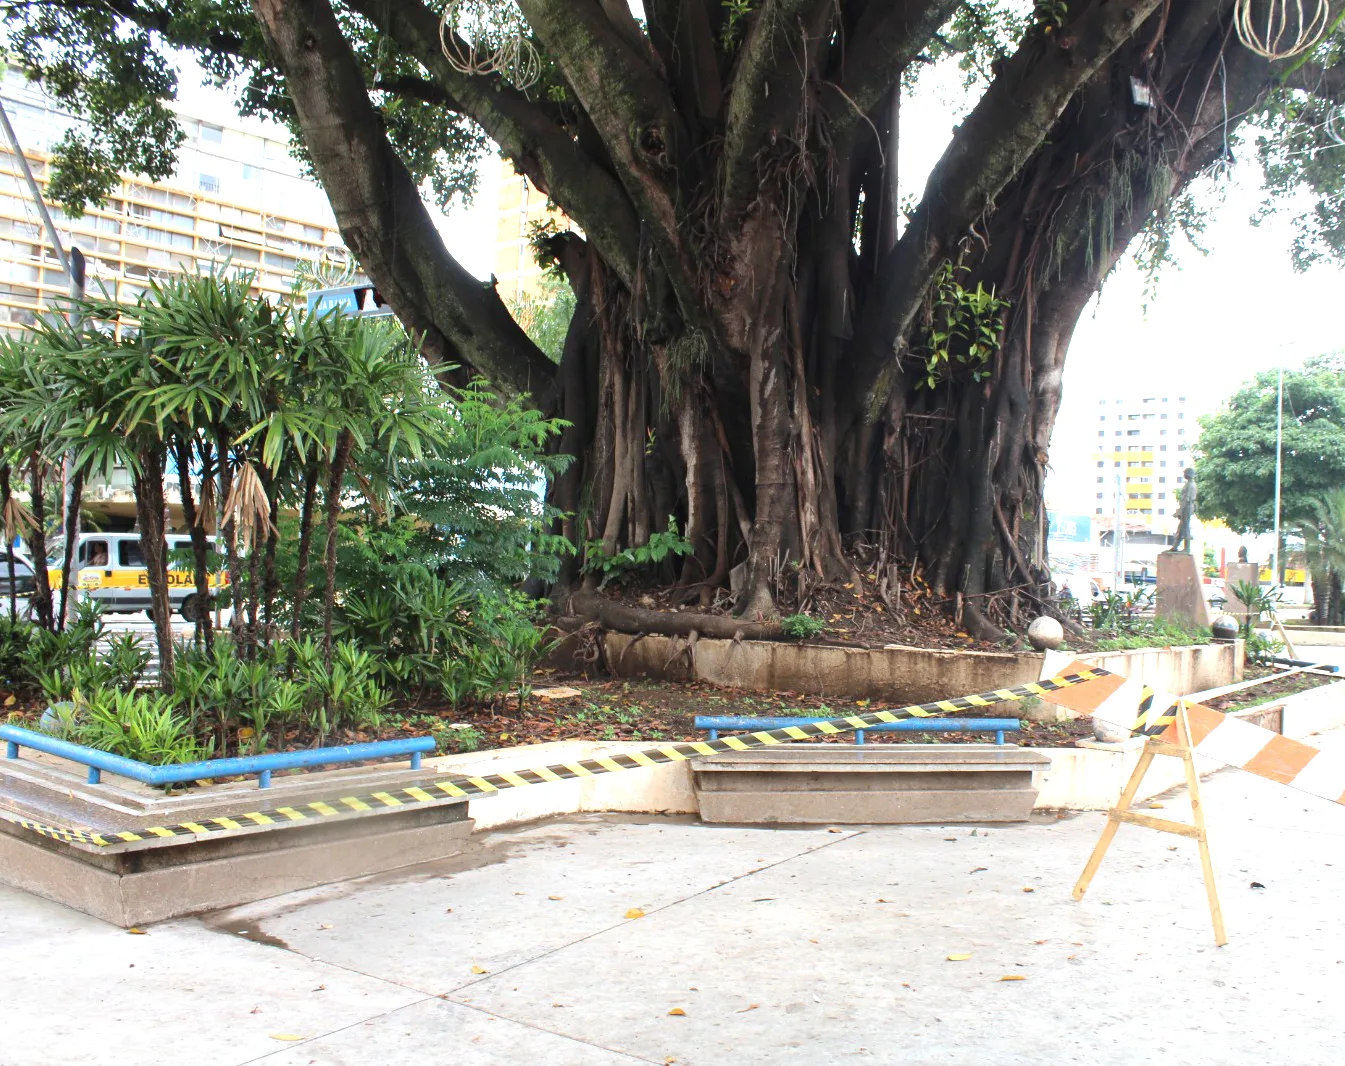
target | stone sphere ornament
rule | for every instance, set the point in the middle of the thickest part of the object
(1224, 628)
(1045, 634)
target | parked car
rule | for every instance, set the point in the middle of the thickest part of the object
(24, 579)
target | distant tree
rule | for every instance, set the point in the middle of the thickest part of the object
(1324, 547)
(1236, 459)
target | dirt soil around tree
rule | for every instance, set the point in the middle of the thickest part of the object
(657, 711)
(867, 612)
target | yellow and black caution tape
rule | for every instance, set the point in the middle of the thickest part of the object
(1150, 721)
(459, 788)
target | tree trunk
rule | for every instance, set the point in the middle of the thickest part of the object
(306, 509)
(199, 543)
(75, 493)
(336, 478)
(42, 583)
(9, 540)
(229, 528)
(269, 582)
(147, 482)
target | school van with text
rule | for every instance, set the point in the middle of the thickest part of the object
(110, 568)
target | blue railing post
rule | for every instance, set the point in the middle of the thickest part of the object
(174, 773)
(859, 736)
(999, 736)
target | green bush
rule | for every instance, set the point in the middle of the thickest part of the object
(137, 725)
(801, 626)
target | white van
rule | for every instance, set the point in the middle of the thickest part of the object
(111, 570)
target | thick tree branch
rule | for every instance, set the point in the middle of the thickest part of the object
(379, 210)
(634, 115)
(884, 42)
(1325, 82)
(539, 147)
(988, 149)
(773, 70)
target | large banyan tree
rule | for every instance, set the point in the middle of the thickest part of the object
(772, 343)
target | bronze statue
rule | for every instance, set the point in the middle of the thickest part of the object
(1185, 512)
(1242, 554)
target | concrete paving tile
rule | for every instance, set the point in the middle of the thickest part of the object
(409, 1037)
(801, 963)
(428, 926)
(87, 992)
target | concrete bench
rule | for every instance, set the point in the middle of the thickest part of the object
(858, 785)
(713, 723)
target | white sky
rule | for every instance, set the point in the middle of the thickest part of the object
(1217, 319)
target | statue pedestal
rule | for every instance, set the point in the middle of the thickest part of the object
(1180, 595)
(1249, 572)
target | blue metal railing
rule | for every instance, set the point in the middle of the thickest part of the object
(998, 726)
(262, 765)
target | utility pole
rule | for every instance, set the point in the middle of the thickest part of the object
(73, 265)
(1118, 538)
(1279, 474)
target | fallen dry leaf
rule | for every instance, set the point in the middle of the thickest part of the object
(1157, 806)
(285, 1036)
(555, 897)
(678, 1012)
(1014, 977)
(979, 869)
(833, 829)
(478, 969)
(10, 701)
(325, 925)
(560, 692)
(750, 1006)
(137, 932)
(1028, 888)
(634, 912)
(961, 957)
(1039, 941)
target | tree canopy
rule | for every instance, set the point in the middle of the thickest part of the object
(1236, 462)
(821, 376)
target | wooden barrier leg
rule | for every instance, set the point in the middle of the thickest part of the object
(1113, 823)
(1198, 817)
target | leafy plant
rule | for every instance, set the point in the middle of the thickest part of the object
(137, 725)
(1257, 601)
(801, 626)
(1259, 646)
(659, 547)
(963, 327)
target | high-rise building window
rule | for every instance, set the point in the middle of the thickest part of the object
(212, 134)
(1100, 463)
(1099, 481)
(1099, 510)
(1101, 432)
(1116, 464)
(209, 183)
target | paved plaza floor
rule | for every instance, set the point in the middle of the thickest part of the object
(601, 940)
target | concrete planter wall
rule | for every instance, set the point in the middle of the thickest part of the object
(895, 673)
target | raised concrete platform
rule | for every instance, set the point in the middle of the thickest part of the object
(139, 881)
(132, 885)
(868, 784)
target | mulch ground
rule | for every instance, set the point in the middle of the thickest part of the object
(661, 711)
(1268, 692)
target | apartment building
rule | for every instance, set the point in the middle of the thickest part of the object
(519, 208)
(237, 198)
(1146, 442)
